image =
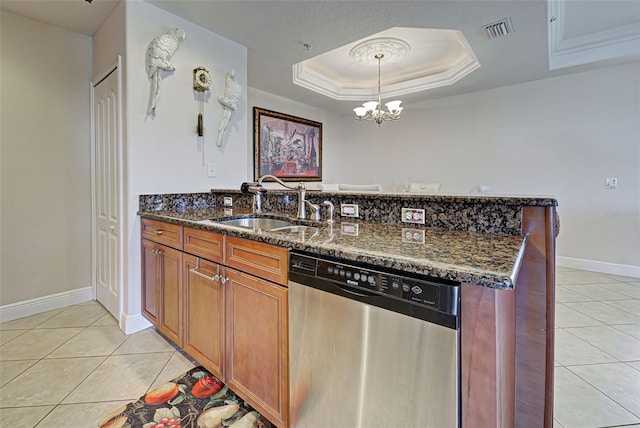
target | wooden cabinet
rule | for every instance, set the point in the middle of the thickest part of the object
(204, 313)
(161, 232)
(224, 301)
(205, 244)
(162, 288)
(257, 348)
(150, 282)
(263, 260)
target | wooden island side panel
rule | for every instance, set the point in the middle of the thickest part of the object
(487, 336)
(535, 309)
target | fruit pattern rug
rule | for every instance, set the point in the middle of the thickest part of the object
(196, 399)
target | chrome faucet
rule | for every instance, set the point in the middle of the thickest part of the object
(302, 204)
(258, 191)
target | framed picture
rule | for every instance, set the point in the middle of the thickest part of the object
(286, 146)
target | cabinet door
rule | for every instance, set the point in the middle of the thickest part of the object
(204, 314)
(171, 293)
(258, 344)
(150, 282)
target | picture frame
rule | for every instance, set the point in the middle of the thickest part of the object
(286, 146)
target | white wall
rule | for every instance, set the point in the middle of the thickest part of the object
(164, 154)
(561, 136)
(109, 42)
(45, 160)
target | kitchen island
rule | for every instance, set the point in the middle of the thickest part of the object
(501, 249)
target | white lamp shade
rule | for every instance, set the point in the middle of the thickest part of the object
(392, 106)
(360, 111)
(370, 105)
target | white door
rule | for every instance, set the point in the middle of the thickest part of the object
(107, 192)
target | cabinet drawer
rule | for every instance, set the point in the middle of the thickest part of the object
(161, 232)
(262, 260)
(205, 244)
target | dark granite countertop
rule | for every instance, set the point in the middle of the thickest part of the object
(485, 259)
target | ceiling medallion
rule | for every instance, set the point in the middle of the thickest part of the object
(391, 49)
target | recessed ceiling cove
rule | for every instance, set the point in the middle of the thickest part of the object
(416, 59)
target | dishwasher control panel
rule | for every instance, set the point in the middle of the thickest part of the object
(394, 285)
(442, 296)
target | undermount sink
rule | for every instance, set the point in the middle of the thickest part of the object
(295, 229)
(256, 223)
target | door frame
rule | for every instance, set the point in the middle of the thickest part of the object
(117, 68)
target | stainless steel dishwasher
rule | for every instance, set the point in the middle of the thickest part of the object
(371, 347)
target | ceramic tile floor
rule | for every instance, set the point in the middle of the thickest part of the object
(72, 366)
(597, 352)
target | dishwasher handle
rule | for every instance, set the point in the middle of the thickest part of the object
(350, 291)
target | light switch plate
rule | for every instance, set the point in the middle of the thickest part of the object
(349, 210)
(211, 170)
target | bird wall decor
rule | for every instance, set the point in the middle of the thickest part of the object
(232, 96)
(159, 53)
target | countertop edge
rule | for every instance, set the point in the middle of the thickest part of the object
(457, 273)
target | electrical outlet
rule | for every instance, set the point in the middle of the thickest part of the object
(349, 210)
(211, 170)
(228, 201)
(611, 183)
(415, 236)
(228, 212)
(413, 215)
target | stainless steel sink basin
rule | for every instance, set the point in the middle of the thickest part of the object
(256, 223)
(296, 229)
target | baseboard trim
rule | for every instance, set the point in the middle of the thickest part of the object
(133, 323)
(602, 267)
(39, 305)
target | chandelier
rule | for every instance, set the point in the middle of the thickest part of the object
(370, 52)
(372, 110)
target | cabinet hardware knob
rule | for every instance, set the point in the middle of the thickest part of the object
(159, 232)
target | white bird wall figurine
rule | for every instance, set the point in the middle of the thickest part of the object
(159, 53)
(230, 100)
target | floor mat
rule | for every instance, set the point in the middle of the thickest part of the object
(194, 399)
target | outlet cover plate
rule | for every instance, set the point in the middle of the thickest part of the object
(413, 215)
(611, 183)
(228, 201)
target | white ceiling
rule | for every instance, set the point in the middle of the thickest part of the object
(275, 32)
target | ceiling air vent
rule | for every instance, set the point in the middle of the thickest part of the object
(499, 28)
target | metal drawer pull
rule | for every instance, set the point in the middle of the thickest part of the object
(210, 278)
(159, 232)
